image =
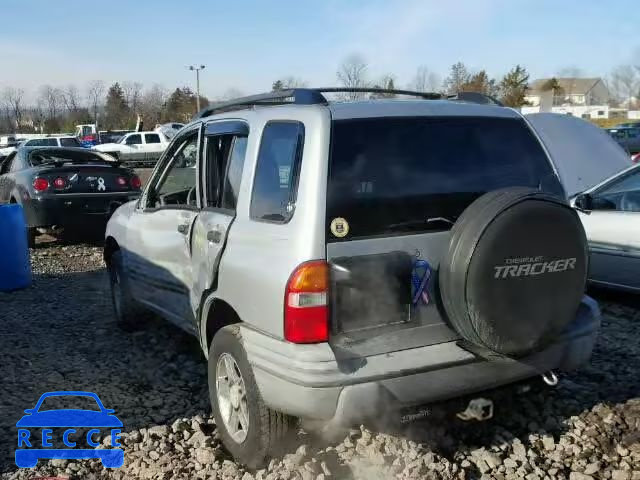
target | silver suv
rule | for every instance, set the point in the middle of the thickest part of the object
(341, 260)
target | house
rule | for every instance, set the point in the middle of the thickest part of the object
(580, 97)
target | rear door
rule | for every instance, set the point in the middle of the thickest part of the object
(153, 147)
(225, 144)
(613, 228)
(158, 256)
(395, 188)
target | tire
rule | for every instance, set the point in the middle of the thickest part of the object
(267, 431)
(128, 314)
(515, 271)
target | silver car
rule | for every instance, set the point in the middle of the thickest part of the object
(610, 213)
(347, 261)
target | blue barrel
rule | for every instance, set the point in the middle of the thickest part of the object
(15, 267)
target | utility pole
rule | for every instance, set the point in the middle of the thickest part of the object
(197, 69)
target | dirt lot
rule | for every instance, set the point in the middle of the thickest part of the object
(59, 335)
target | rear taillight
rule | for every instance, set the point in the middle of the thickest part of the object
(40, 184)
(306, 315)
(59, 183)
(121, 181)
(135, 182)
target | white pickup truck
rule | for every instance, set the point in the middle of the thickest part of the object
(139, 148)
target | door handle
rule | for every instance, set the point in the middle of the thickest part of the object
(183, 228)
(214, 235)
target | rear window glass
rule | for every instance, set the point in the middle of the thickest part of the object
(152, 138)
(69, 142)
(398, 175)
(53, 156)
(42, 142)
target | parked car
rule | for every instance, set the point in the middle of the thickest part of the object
(610, 213)
(59, 141)
(628, 124)
(136, 148)
(627, 137)
(343, 261)
(65, 187)
(87, 135)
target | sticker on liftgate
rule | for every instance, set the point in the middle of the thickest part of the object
(531, 266)
(339, 227)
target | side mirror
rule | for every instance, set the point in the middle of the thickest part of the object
(584, 201)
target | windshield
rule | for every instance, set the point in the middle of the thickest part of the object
(392, 175)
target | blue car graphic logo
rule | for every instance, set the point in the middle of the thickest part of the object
(29, 452)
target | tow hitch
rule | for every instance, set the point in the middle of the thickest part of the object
(480, 409)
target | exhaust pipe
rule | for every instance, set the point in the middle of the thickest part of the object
(550, 378)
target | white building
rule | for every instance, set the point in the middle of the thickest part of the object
(580, 97)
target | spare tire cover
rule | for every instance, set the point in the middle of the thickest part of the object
(515, 270)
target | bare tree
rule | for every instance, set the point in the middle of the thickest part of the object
(95, 95)
(12, 99)
(353, 74)
(625, 82)
(71, 99)
(132, 95)
(425, 80)
(52, 98)
(152, 103)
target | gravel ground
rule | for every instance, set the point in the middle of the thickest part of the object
(59, 335)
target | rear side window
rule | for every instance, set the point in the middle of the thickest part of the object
(69, 142)
(276, 178)
(395, 175)
(133, 140)
(42, 142)
(152, 138)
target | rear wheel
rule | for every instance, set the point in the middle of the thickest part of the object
(250, 430)
(128, 314)
(32, 232)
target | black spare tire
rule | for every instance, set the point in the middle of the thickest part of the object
(515, 270)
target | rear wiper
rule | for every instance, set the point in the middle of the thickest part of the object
(421, 223)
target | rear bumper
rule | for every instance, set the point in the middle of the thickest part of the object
(309, 381)
(68, 210)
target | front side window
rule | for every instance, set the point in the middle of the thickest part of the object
(152, 138)
(392, 175)
(622, 195)
(133, 140)
(276, 178)
(177, 186)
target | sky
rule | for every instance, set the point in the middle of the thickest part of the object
(247, 44)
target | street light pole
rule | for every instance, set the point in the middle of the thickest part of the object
(197, 69)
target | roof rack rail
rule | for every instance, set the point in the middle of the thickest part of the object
(314, 96)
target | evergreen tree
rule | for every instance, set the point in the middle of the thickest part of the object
(458, 77)
(513, 87)
(481, 83)
(277, 86)
(116, 109)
